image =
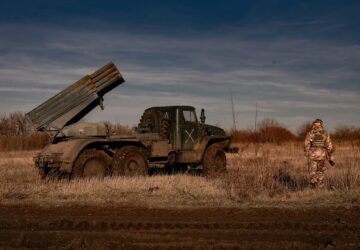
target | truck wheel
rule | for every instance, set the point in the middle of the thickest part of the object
(130, 161)
(214, 161)
(91, 163)
(155, 121)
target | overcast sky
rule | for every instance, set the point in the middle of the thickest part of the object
(298, 60)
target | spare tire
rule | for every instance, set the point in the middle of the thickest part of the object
(155, 122)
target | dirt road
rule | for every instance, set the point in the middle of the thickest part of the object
(195, 228)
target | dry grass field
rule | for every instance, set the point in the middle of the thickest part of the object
(259, 175)
(263, 202)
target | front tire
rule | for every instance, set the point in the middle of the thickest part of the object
(130, 161)
(214, 161)
(91, 163)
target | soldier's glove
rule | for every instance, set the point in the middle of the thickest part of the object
(331, 160)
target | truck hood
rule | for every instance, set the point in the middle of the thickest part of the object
(213, 130)
(77, 100)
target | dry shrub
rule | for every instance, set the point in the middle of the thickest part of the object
(344, 134)
(16, 133)
(268, 131)
(14, 124)
(243, 135)
(303, 130)
(271, 131)
(119, 129)
(35, 140)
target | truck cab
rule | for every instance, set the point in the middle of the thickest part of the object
(187, 137)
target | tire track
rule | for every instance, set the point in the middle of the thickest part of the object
(101, 225)
(138, 228)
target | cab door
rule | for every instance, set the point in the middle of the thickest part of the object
(189, 129)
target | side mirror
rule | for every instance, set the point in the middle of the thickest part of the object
(202, 116)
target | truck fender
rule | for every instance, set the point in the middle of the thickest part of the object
(68, 151)
(200, 148)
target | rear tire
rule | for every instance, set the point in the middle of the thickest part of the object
(130, 161)
(214, 161)
(91, 163)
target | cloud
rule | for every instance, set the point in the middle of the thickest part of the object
(292, 78)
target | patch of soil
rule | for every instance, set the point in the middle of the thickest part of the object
(82, 227)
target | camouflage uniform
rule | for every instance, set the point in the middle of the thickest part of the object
(317, 147)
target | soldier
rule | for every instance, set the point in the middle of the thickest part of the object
(317, 147)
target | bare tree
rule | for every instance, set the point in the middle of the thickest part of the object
(303, 129)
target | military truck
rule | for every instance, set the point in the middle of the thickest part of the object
(165, 136)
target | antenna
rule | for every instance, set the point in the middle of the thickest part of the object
(233, 112)
(256, 114)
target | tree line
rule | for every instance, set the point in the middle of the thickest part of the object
(17, 133)
(272, 131)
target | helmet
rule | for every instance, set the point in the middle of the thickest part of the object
(316, 127)
(318, 121)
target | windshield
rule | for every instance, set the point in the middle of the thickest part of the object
(189, 116)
